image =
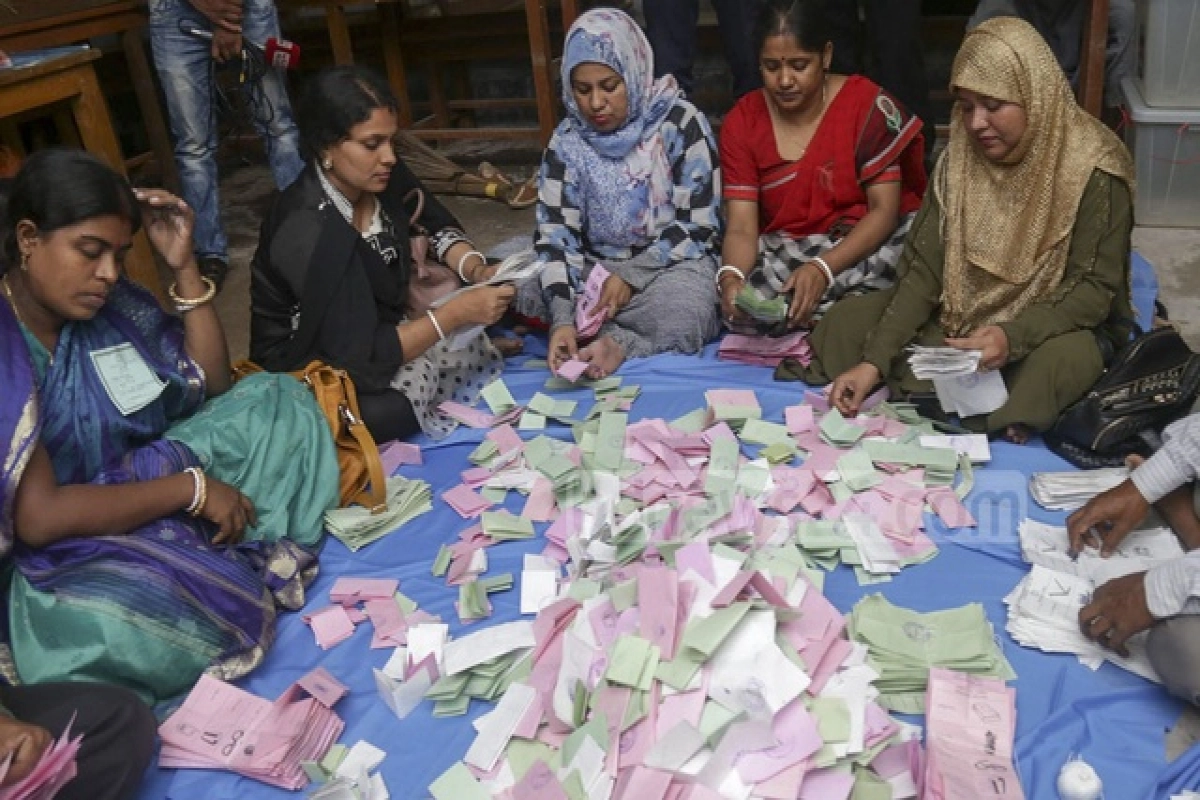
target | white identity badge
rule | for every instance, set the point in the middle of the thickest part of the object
(129, 381)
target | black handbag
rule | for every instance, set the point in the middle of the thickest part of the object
(1151, 382)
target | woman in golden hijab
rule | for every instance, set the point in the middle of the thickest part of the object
(1021, 250)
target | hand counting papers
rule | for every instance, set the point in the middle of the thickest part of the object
(1067, 491)
(961, 387)
(356, 527)
(1043, 609)
(54, 769)
(222, 727)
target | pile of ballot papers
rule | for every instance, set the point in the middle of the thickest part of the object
(681, 638)
(905, 645)
(1067, 491)
(357, 527)
(220, 726)
(969, 730)
(1043, 609)
(765, 351)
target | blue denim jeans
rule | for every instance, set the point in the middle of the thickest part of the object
(184, 64)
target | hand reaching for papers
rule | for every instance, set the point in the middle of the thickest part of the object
(563, 346)
(1109, 516)
(991, 340)
(852, 387)
(25, 743)
(229, 510)
(1118, 610)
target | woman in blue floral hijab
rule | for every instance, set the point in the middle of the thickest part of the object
(629, 186)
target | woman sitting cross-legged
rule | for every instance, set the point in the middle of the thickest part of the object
(823, 176)
(132, 469)
(1021, 250)
(628, 185)
(334, 266)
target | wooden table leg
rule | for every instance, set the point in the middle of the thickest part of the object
(96, 134)
(1092, 61)
(152, 113)
(543, 66)
(393, 60)
(339, 34)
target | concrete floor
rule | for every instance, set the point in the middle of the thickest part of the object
(246, 192)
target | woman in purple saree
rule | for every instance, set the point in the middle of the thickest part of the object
(128, 555)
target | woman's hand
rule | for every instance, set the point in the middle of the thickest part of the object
(852, 387)
(25, 743)
(730, 286)
(808, 285)
(169, 223)
(229, 510)
(991, 340)
(563, 346)
(482, 305)
(614, 295)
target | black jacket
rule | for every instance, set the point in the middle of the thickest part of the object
(319, 291)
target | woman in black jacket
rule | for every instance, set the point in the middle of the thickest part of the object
(332, 272)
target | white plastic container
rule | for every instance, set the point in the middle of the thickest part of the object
(1170, 52)
(1165, 143)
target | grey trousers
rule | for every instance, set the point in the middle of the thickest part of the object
(1174, 651)
(1061, 24)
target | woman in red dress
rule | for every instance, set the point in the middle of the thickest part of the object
(823, 175)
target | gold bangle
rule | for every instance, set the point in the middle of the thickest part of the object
(186, 304)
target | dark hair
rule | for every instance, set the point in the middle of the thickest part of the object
(57, 188)
(805, 21)
(335, 100)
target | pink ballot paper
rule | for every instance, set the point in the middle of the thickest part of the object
(223, 727)
(970, 724)
(589, 314)
(54, 769)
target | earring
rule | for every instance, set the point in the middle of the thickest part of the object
(25, 262)
(327, 164)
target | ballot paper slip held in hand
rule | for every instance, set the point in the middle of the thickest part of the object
(961, 387)
(516, 269)
(54, 769)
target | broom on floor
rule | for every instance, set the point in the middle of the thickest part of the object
(443, 176)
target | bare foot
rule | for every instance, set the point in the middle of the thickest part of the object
(1018, 434)
(508, 346)
(604, 356)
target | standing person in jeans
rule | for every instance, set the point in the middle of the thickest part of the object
(186, 63)
(671, 29)
(892, 31)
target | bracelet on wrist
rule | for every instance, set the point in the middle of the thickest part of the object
(199, 491)
(729, 268)
(185, 304)
(825, 270)
(436, 325)
(462, 262)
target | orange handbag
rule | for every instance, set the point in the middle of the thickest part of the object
(360, 469)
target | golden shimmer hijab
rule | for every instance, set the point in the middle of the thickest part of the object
(1007, 227)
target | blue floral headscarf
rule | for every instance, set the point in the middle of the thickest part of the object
(625, 173)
